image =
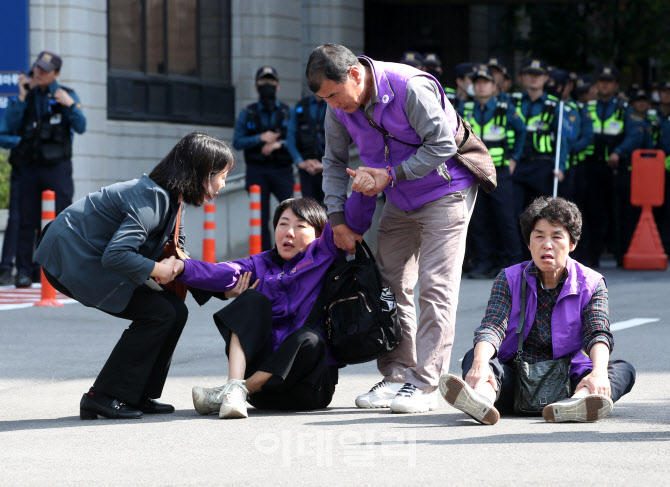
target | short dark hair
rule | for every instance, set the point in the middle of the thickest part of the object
(557, 211)
(189, 166)
(304, 208)
(329, 61)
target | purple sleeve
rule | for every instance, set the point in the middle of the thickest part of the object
(215, 277)
(359, 210)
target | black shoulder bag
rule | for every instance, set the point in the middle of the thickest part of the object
(356, 312)
(539, 384)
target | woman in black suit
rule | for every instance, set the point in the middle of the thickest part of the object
(103, 249)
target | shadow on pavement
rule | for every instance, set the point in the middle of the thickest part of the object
(71, 421)
(553, 437)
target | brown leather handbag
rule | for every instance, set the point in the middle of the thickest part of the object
(475, 156)
(172, 249)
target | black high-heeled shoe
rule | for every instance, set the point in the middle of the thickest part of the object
(90, 408)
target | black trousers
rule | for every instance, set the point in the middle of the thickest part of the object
(494, 227)
(276, 181)
(33, 180)
(620, 373)
(10, 241)
(311, 185)
(301, 377)
(609, 219)
(138, 366)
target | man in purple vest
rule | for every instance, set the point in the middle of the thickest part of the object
(404, 129)
(566, 314)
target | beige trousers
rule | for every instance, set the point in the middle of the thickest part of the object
(428, 246)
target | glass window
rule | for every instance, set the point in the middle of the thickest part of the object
(182, 37)
(170, 60)
(155, 43)
(125, 34)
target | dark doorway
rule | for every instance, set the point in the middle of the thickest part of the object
(392, 28)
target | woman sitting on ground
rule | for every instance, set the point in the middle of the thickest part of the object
(567, 314)
(275, 362)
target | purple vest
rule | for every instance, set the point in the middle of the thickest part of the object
(567, 329)
(391, 80)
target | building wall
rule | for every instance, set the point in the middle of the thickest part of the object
(277, 32)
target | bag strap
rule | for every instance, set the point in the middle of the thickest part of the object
(315, 313)
(522, 318)
(362, 249)
(175, 239)
(385, 132)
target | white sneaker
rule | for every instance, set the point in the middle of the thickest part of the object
(464, 398)
(380, 396)
(234, 400)
(411, 399)
(585, 409)
(207, 400)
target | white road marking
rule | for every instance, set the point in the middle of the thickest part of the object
(622, 325)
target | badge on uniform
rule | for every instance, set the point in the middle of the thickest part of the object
(55, 119)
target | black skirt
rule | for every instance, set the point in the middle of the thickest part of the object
(301, 377)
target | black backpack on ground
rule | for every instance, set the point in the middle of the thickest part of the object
(356, 312)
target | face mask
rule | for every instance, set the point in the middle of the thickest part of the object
(655, 97)
(267, 94)
(550, 89)
(470, 90)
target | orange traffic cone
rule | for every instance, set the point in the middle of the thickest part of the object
(647, 180)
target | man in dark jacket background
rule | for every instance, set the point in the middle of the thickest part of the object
(260, 131)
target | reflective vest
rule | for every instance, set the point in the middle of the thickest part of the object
(451, 96)
(654, 120)
(609, 133)
(494, 133)
(591, 107)
(539, 137)
(279, 157)
(573, 157)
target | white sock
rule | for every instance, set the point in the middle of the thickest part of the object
(584, 391)
(487, 391)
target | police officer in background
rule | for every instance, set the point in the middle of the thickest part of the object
(45, 118)
(306, 142)
(507, 82)
(463, 79)
(412, 58)
(494, 235)
(584, 96)
(578, 133)
(432, 64)
(640, 103)
(534, 175)
(260, 130)
(617, 132)
(498, 70)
